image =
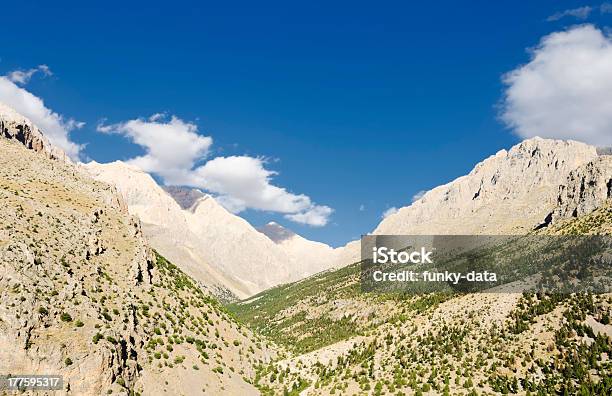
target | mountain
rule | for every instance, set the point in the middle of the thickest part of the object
(315, 256)
(86, 297)
(166, 225)
(276, 232)
(184, 196)
(511, 192)
(344, 341)
(216, 247)
(522, 182)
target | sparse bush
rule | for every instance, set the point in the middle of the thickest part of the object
(65, 317)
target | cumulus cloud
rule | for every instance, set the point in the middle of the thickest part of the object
(565, 91)
(389, 212)
(361, 207)
(172, 146)
(579, 13)
(55, 127)
(245, 181)
(174, 150)
(418, 195)
(605, 8)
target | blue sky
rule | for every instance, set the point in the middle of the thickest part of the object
(358, 105)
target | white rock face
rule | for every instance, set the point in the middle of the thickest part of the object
(213, 245)
(511, 192)
(15, 126)
(586, 189)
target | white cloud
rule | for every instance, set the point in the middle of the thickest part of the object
(172, 147)
(55, 127)
(316, 216)
(175, 151)
(244, 182)
(389, 212)
(361, 207)
(24, 76)
(418, 195)
(579, 13)
(565, 91)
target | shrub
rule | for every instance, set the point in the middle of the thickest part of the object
(65, 317)
(97, 337)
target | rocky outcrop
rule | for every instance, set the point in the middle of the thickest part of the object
(586, 189)
(15, 126)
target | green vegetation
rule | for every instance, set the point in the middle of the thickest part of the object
(537, 343)
(65, 317)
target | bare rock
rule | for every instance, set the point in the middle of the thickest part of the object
(586, 189)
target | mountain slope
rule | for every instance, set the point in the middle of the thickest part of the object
(310, 256)
(511, 192)
(165, 225)
(345, 341)
(523, 181)
(216, 247)
(85, 297)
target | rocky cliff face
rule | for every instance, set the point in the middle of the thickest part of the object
(585, 189)
(15, 126)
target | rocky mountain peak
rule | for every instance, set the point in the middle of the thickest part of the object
(186, 197)
(521, 182)
(276, 232)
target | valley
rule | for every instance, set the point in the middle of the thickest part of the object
(124, 287)
(343, 341)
